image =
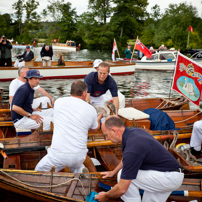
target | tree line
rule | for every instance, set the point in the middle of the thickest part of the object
(104, 20)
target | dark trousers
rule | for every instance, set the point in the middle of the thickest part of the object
(6, 62)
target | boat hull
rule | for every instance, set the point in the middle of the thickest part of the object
(73, 70)
(66, 48)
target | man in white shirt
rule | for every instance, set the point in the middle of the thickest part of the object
(73, 117)
(16, 83)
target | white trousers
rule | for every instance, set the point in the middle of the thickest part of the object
(196, 136)
(28, 123)
(99, 101)
(157, 186)
(41, 100)
(19, 64)
(61, 159)
(48, 62)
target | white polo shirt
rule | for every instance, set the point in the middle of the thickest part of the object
(15, 84)
(73, 117)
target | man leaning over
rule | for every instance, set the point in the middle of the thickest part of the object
(98, 84)
(145, 165)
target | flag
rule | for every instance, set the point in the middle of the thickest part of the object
(187, 79)
(54, 40)
(141, 47)
(113, 50)
(191, 29)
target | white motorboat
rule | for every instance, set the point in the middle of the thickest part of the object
(68, 46)
(162, 61)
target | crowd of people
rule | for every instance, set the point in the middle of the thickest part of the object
(145, 165)
(28, 55)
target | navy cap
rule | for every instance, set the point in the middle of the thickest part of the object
(33, 73)
(27, 47)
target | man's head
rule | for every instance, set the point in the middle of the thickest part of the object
(33, 77)
(3, 38)
(28, 48)
(47, 48)
(79, 89)
(113, 127)
(129, 46)
(103, 71)
(22, 71)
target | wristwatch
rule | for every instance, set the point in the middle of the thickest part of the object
(29, 115)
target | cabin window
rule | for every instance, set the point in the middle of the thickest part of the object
(165, 56)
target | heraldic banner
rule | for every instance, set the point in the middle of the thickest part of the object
(187, 79)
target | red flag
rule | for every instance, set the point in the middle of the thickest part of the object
(141, 47)
(188, 79)
(54, 40)
(191, 29)
(113, 50)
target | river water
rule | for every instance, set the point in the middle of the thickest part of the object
(141, 84)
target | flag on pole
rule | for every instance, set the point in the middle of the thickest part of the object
(191, 29)
(141, 47)
(113, 50)
(187, 79)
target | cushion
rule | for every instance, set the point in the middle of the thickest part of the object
(131, 113)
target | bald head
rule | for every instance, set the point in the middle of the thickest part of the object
(113, 121)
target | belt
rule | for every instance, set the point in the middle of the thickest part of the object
(177, 170)
(16, 120)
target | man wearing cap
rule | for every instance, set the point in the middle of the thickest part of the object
(23, 115)
(98, 84)
(46, 55)
(28, 55)
(16, 83)
(5, 52)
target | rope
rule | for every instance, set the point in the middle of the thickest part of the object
(57, 185)
(188, 118)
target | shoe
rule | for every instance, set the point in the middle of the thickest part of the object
(194, 152)
(85, 170)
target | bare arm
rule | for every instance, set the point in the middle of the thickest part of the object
(116, 103)
(22, 112)
(88, 98)
(98, 121)
(45, 93)
(10, 99)
(117, 191)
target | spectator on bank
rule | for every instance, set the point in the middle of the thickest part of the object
(5, 49)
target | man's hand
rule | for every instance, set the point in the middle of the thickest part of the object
(101, 197)
(107, 174)
(37, 118)
(39, 110)
(52, 102)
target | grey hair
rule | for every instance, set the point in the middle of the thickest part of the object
(114, 121)
(104, 64)
(21, 70)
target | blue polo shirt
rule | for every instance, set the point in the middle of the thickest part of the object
(23, 98)
(141, 151)
(96, 89)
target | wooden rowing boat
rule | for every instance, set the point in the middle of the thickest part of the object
(72, 69)
(158, 103)
(21, 185)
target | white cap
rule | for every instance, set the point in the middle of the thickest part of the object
(96, 63)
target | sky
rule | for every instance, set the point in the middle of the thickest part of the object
(81, 5)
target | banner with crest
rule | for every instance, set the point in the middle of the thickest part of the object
(187, 79)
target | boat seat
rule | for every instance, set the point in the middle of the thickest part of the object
(23, 131)
(31, 62)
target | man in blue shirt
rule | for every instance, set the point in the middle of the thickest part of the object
(98, 84)
(145, 165)
(23, 115)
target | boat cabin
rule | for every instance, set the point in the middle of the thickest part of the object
(71, 43)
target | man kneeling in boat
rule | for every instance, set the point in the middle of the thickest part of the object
(28, 55)
(146, 165)
(23, 115)
(73, 117)
(16, 83)
(98, 84)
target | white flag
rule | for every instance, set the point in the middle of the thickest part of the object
(113, 50)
